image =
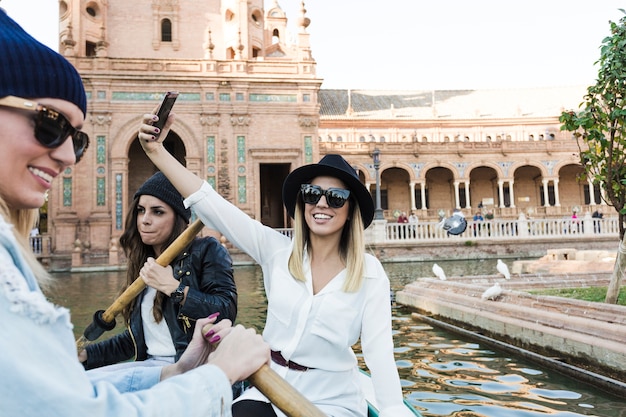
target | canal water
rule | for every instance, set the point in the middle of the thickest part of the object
(442, 373)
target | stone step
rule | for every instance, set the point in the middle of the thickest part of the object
(587, 334)
(508, 304)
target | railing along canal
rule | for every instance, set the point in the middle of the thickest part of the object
(497, 229)
(507, 229)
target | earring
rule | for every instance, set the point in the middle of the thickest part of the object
(45, 196)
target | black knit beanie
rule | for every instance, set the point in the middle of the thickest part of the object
(160, 187)
(29, 69)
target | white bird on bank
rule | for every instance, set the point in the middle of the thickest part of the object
(492, 292)
(438, 271)
(503, 269)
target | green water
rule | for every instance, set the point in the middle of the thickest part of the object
(442, 374)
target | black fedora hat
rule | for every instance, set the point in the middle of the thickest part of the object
(332, 166)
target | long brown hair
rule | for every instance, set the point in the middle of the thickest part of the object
(137, 254)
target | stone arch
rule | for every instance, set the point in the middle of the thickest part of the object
(127, 156)
(528, 186)
(127, 134)
(440, 188)
(541, 167)
(395, 181)
(439, 164)
(573, 191)
(483, 181)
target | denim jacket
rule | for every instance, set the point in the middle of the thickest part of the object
(42, 376)
(206, 267)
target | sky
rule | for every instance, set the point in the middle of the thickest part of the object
(429, 44)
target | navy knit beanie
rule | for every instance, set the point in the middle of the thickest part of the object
(160, 187)
(29, 69)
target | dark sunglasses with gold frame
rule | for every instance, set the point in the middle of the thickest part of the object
(51, 127)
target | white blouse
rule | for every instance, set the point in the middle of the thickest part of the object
(316, 330)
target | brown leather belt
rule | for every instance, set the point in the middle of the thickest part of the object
(278, 358)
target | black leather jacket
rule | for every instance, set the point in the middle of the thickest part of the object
(206, 267)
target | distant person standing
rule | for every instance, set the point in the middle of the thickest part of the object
(413, 224)
(597, 221)
(402, 219)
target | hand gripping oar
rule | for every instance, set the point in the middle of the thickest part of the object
(283, 395)
(105, 320)
(280, 392)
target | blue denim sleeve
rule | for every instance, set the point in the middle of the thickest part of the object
(128, 379)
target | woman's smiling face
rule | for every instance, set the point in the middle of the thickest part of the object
(322, 219)
(27, 168)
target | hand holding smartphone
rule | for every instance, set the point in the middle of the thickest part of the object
(164, 109)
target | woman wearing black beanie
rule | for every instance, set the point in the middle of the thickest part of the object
(198, 283)
(42, 108)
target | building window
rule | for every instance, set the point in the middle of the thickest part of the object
(67, 192)
(166, 30)
(90, 49)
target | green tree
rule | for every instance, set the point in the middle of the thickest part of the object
(599, 128)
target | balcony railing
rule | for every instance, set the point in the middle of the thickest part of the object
(501, 229)
(506, 229)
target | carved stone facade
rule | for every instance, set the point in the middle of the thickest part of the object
(245, 88)
(499, 152)
(250, 110)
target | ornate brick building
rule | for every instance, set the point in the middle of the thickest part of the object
(500, 152)
(250, 110)
(247, 111)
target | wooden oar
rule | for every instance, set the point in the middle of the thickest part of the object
(283, 395)
(105, 320)
(275, 388)
(280, 392)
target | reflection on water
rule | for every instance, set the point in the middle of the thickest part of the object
(442, 374)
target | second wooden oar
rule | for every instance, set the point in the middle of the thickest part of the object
(105, 320)
(282, 394)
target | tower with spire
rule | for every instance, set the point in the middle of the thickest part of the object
(247, 112)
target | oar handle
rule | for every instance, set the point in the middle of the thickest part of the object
(168, 255)
(283, 395)
(279, 391)
(108, 316)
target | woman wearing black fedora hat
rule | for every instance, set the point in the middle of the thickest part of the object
(324, 292)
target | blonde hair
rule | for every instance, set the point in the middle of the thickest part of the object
(351, 246)
(23, 221)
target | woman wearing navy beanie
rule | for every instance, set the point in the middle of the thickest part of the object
(42, 109)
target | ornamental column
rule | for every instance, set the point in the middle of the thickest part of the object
(546, 202)
(557, 201)
(511, 194)
(501, 193)
(457, 202)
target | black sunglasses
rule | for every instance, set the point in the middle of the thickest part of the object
(51, 127)
(335, 197)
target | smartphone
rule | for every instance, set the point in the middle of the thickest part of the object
(164, 109)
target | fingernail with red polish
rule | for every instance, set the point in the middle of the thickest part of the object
(209, 333)
(215, 339)
(157, 130)
(212, 316)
